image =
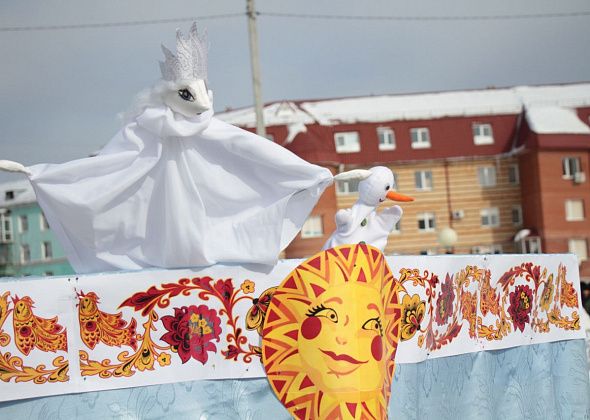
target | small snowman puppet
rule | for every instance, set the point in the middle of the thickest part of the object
(362, 223)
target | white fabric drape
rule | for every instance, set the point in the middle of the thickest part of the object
(168, 191)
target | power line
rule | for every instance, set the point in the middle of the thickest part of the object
(292, 16)
(116, 24)
(428, 18)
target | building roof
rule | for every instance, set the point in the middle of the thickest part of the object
(575, 95)
(278, 113)
(22, 193)
(555, 120)
(421, 106)
(376, 109)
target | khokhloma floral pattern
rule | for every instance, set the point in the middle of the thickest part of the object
(139, 326)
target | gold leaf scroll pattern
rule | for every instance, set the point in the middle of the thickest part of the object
(128, 363)
(525, 294)
(42, 329)
(145, 354)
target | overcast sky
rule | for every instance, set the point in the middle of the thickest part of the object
(60, 91)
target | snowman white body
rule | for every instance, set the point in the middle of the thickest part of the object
(362, 223)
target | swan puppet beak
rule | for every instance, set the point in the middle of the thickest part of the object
(392, 195)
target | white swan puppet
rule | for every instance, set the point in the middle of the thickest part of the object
(177, 187)
(362, 223)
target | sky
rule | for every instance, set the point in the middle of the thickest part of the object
(61, 91)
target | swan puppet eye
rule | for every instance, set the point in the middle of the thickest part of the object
(387, 188)
(186, 95)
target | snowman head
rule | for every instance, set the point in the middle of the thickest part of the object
(374, 189)
(378, 186)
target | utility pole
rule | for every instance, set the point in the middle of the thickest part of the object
(253, 35)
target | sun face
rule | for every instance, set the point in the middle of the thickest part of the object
(331, 333)
(341, 340)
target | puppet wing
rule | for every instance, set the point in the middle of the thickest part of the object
(172, 192)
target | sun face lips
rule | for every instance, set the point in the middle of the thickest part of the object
(342, 357)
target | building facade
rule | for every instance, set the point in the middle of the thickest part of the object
(504, 168)
(27, 245)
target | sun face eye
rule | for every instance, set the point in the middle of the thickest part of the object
(387, 188)
(373, 324)
(323, 312)
(186, 95)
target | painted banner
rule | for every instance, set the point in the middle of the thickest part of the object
(117, 330)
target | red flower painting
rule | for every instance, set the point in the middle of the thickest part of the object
(225, 288)
(520, 306)
(191, 331)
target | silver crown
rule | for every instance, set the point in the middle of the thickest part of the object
(190, 61)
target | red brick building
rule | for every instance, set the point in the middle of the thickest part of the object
(495, 165)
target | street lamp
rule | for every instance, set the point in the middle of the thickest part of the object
(447, 238)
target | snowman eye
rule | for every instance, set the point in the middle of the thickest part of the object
(387, 188)
(186, 95)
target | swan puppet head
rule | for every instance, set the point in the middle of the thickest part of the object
(185, 74)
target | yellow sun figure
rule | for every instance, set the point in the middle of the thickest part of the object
(331, 333)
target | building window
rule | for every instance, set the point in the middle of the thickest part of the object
(394, 186)
(513, 175)
(6, 227)
(347, 187)
(482, 134)
(348, 142)
(571, 166)
(426, 222)
(427, 252)
(517, 215)
(23, 223)
(487, 176)
(386, 138)
(490, 217)
(47, 251)
(420, 138)
(529, 245)
(579, 247)
(43, 222)
(423, 180)
(533, 245)
(487, 249)
(25, 253)
(574, 210)
(313, 227)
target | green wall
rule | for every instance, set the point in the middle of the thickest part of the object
(34, 236)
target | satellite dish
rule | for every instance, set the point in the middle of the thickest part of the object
(523, 233)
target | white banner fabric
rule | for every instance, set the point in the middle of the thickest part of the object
(116, 330)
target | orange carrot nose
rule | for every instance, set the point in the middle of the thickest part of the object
(392, 195)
